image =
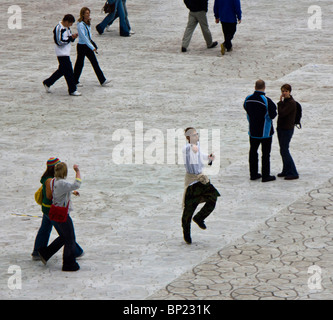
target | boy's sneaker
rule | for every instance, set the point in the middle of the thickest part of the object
(47, 89)
(75, 93)
(105, 82)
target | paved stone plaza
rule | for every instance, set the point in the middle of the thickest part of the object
(263, 241)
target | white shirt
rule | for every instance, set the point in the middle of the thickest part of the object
(63, 38)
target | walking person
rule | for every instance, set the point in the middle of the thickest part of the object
(63, 39)
(86, 48)
(124, 28)
(45, 229)
(285, 131)
(198, 188)
(261, 110)
(229, 13)
(117, 16)
(197, 14)
(61, 190)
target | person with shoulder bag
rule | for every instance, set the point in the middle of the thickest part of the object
(86, 47)
(62, 190)
(45, 228)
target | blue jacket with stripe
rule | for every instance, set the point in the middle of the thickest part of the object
(261, 110)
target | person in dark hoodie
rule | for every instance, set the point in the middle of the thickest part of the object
(198, 14)
(260, 110)
(285, 130)
(228, 12)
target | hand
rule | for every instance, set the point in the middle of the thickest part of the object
(76, 167)
(239, 21)
(217, 20)
(281, 97)
(211, 157)
(75, 35)
(76, 193)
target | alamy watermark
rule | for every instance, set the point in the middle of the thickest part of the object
(15, 280)
(314, 281)
(15, 19)
(315, 20)
(154, 146)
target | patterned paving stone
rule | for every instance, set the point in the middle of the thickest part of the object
(277, 269)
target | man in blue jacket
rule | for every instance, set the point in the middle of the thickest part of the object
(260, 110)
(228, 12)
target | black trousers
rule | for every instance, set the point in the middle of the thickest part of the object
(266, 145)
(82, 52)
(196, 194)
(229, 30)
(65, 69)
(67, 239)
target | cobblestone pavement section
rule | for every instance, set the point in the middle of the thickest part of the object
(289, 257)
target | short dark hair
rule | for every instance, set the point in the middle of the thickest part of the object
(68, 17)
(287, 87)
(260, 84)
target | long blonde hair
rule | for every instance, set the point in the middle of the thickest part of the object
(82, 12)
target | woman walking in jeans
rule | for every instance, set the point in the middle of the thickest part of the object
(86, 48)
(61, 192)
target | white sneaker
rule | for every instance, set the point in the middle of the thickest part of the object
(79, 85)
(108, 28)
(75, 93)
(132, 32)
(105, 82)
(47, 89)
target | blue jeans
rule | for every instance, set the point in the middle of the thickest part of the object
(119, 10)
(126, 16)
(43, 236)
(284, 136)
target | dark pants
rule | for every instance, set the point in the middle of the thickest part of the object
(67, 239)
(65, 69)
(43, 236)
(266, 145)
(82, 52)
(284, 136)
(195, 194)
(229, 30)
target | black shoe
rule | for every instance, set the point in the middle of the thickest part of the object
(281, 175)
(187, 238)
(99, 30)
(213, 45)
(201, 224)
(73, 267)
(269, 178)
(258, 176)
(184, 49)
(291, 177)
(42, 255)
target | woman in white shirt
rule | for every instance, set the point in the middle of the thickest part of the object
(87, 48)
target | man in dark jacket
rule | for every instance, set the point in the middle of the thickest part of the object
(261, 110)
(198, 14)
(228, 12)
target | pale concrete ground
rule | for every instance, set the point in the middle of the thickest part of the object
(128, 216)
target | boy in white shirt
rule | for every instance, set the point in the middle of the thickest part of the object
(198, 188)
(63, 38)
